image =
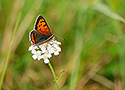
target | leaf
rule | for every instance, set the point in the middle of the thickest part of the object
(60, 75)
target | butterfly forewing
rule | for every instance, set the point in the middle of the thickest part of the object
(42, 26)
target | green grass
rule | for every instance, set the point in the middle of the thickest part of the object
(92, 56)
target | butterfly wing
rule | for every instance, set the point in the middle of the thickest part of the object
(41, 26)
(38, 38)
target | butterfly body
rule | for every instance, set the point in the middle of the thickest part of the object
(41, 33)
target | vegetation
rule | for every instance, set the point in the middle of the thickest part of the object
(92, 56)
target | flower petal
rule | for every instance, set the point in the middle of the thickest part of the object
(59, 49)
(34, 57)
(33, 51)
(30, 48)
(40, 57)
(56, 53)
(46, 61)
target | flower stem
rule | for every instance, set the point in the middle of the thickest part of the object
(54, 75)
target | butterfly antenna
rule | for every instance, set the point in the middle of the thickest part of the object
(60, 37)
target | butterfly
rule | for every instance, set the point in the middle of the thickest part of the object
(41, 33)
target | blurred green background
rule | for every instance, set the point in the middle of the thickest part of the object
(93, 54)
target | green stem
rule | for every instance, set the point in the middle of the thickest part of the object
(54, 75)
(9, 51)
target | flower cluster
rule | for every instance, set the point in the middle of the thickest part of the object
(45, 51)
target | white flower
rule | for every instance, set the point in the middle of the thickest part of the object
(56, 42)
(57, 49)
(46, 61)
(43, 48)
(45, 51)
(34, 57)
(37, 54)
(48, 54)
(32, 47)
(50, 48)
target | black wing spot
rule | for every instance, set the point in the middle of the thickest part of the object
(41, 21)
(39, 25)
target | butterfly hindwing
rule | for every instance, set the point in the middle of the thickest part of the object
(36, 36)
(39, 38)
(42, 26)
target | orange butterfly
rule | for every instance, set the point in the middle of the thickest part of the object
(41, 33)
